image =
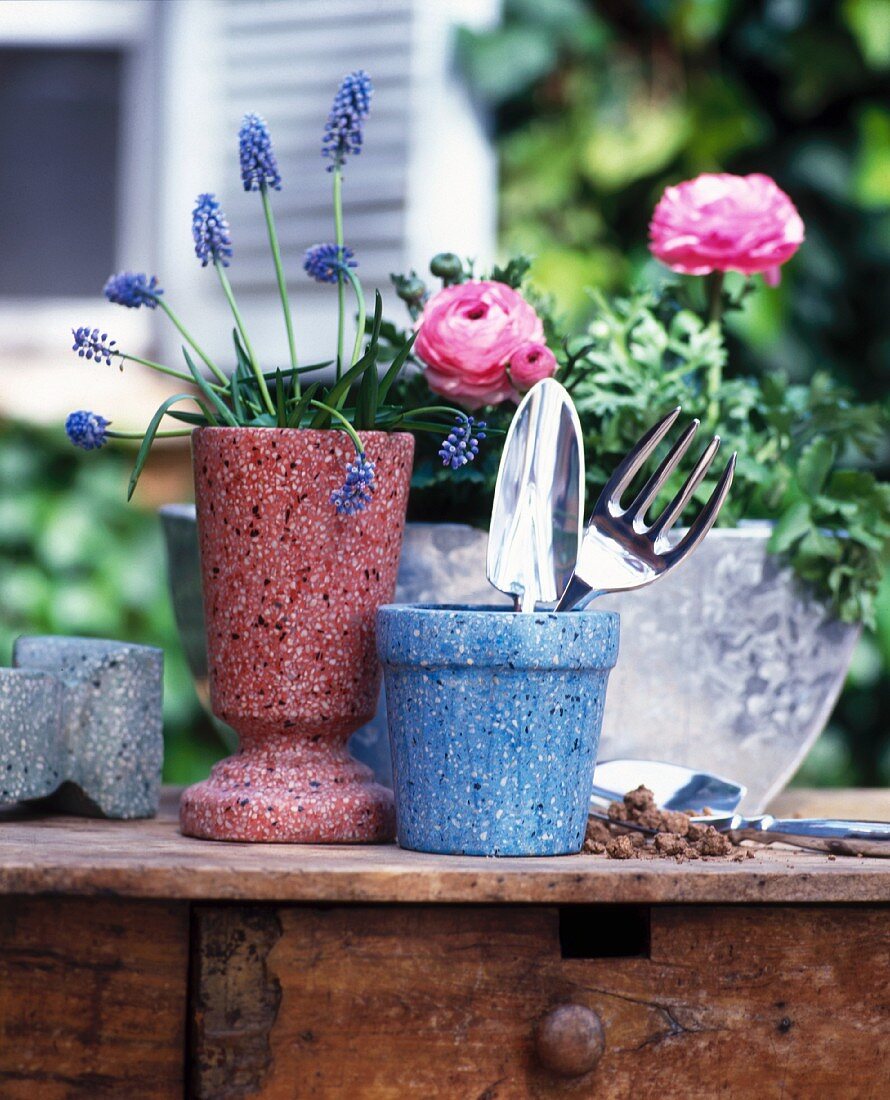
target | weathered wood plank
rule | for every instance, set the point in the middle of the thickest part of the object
(388, 1003)
(774, 1002)
(73, 855)
(93, 998)
(235, 1001)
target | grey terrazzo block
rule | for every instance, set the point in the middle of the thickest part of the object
(31, 744)
(109, 750)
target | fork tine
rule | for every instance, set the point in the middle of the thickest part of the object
(627, 468)
(704, 521)
(653, 486)
(674, 510)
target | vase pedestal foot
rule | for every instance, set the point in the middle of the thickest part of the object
(289, 797)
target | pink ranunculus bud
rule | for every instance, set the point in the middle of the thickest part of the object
(726, 223)
(466, 336)
(531, 363)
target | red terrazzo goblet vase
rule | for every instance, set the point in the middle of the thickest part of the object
(291, 591)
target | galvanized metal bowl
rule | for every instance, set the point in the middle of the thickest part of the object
(728, 665)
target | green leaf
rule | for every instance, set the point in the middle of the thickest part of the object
(209, 393)
(280, 402)
(299, 410)
(502, 62)
(240, 353)
(513, 273)
(869, 21)
(270, 375)
(395, 368)
(336, 396)
(366, 403)
(814, 466)
(341, 389)
(793, 525)
(235, 389)
(148, 438)
(851, 484)
(198, 419)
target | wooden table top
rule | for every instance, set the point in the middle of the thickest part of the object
(150, 859)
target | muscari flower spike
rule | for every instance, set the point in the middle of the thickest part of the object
(258, 163)
(87, 430)
(355, 493)
(461, 445)
(133, 290)
(91, 344)
(343, 130)
(324, 262)
(210, 228)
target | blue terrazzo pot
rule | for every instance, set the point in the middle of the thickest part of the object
(494, 720)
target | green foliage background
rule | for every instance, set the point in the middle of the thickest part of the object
(76, 559)
(599, 104)
(596, 107)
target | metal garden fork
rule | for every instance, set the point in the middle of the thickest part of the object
(620, 550)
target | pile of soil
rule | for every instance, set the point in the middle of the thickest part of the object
(676, 837)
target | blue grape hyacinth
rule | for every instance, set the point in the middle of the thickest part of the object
(92, 344)
(343, 130)
(258, 163)
(355, 493)
(210, 229)
(324, 262)
(87, 430)
(133, 290)
(462, 445)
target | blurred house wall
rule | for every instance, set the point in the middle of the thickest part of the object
(134, 106)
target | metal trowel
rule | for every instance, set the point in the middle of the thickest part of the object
(535, 531)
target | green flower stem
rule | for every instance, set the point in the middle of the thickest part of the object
(189, 339)
(279, 274)
(715, 371)
(408, 425)
(715, 296)
(360, 325)
(341, 286)
(347, 427)
(173, 373)
(239, 321)
(437, 409)
(141, 435)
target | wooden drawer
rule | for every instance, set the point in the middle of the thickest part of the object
(347, 1002)
(93, 998)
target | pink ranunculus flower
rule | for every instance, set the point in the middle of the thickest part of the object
(726, 223)
(531, 363)
(466, 336)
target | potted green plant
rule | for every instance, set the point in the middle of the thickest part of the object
(733, 663)
(301, 479)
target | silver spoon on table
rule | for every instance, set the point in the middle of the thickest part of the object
(673, 786)
(678, 788)
(535, 531)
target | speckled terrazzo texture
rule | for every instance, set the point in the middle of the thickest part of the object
(31, 747)
(109, 744)
(494, 719)
(291, 589)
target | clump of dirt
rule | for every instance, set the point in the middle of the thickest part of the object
(676, 836)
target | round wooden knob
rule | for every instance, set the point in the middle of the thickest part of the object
(569, 1040)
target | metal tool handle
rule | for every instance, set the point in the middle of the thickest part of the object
(604, 795)
(865, 838)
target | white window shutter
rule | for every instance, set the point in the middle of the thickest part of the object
(424, 181)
